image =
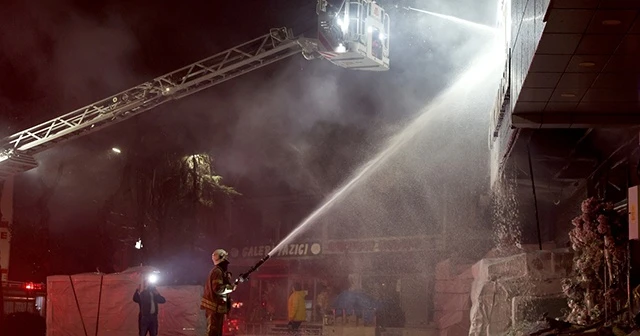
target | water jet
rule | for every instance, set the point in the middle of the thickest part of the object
(484, 70)
(468, 23)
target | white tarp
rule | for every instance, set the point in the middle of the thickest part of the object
(113, 309)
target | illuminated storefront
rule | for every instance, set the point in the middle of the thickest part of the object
(396, 272)
(391, 264)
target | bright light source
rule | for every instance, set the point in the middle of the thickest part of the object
(344, 24)
(5, 154)
(116, 150)
(370, 29)
(341, 48)
(139, 244)
(382, 36)
(152, 278)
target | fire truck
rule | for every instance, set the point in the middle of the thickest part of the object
(20, 297)
(352, 34)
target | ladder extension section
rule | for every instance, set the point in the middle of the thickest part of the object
(267, 49)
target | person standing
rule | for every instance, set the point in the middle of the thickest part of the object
(322, 303)
(148, 300)
(216, 301)
(296, 308)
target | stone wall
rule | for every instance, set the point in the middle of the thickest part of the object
(452, 301)
(510, 291)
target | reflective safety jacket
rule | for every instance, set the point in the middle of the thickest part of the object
(216, 292)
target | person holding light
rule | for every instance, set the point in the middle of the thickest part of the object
(148, 300)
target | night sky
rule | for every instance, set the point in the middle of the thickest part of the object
(296, 127)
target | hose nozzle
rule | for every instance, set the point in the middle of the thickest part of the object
(245, 276)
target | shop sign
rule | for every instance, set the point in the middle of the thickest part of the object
(290, 250)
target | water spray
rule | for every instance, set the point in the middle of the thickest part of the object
(454, 19)
(476, 74)
(245, 276)
(480, 69)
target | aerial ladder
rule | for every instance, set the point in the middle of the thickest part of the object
(354, 35)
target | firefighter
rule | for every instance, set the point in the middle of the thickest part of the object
(215, 301)
(296, 308)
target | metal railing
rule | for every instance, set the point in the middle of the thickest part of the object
(337, 318)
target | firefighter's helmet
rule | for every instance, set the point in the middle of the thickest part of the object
(219, 256)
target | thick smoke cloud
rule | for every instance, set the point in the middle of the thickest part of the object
(284, 109)
(56, 58)
(298, 125)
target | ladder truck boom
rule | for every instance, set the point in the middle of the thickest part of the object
(354, 37)
(192, 78)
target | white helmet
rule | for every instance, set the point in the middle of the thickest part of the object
(219, 256)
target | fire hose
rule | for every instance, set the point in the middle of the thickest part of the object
(245, 276)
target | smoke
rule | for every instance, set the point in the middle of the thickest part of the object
(60, 58)
(74, 62)
(271, 117)
(436, 183)
(288, 123)
(297, 126)
(57, 58)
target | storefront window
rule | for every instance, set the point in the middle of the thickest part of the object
(272, 295)
(384, 289)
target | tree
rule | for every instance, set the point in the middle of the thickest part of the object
(171, 204)
(187, 188)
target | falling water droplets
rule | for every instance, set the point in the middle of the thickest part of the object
(507, 233)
